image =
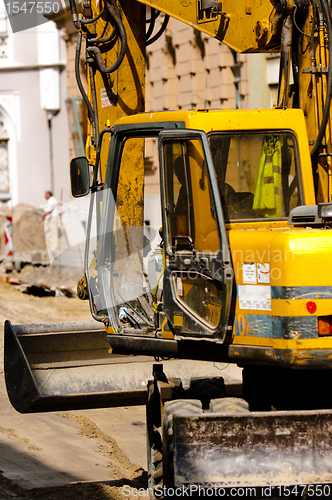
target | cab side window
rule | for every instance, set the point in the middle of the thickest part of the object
(257, 174)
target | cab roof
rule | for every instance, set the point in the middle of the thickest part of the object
(224, 119)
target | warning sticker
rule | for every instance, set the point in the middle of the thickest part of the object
(263, 273)
(179, 287)
(256, 297)
(249, 272)
(105, 102)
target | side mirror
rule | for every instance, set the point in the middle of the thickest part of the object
(79, 176)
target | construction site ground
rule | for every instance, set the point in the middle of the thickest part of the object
(44, 456)
(89, 454)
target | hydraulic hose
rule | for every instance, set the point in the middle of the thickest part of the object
(160, 32)
(78, 78)
(123, 38)
(326, 113)
(106, 39)
(94, 102)
(151, 22)
(90, 21)
(74, 15)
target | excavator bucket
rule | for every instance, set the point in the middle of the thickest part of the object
(256, 449)
(67, 366)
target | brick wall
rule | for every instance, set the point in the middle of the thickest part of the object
(188, 69)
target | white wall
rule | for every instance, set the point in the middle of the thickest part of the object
(31, 94)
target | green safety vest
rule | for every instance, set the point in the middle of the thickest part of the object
(268, 192)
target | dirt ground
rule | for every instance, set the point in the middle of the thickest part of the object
(21, 308)
(82, 491)
(76, 455)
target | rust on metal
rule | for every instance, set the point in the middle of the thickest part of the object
(257, 449)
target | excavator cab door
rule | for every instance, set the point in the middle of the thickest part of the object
(197, 285)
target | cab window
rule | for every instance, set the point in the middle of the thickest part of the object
(257, 174)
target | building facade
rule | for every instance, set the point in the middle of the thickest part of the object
(188, 69)
(33, 117)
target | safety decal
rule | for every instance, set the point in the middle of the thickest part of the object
(263, 273)
(249, 272)
(255, 297)
(105, 100)
(179, 287)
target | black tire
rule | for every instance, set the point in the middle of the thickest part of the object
(206, 389)
(154, 444)
(175, 407)
(154, 435)
(229, 405)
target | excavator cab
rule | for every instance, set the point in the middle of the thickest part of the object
(190, 297)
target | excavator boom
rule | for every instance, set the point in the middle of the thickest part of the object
(259, 24)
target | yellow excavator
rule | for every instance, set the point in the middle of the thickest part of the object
(240, 271)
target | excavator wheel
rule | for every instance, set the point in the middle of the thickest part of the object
(181, 407)
(154, 434)
(229, 405)
(206, 389)
(154, 442)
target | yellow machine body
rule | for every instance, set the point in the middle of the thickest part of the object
(273, 311)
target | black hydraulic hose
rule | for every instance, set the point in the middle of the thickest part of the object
(115, 14)
(99, 40)
(90, 21)
(79, 81)
(106, 39)
(151, 21)
(326, 112)
(95, 107)
(123, 38)
(101, 66)
(74, 15)
(160, 32)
